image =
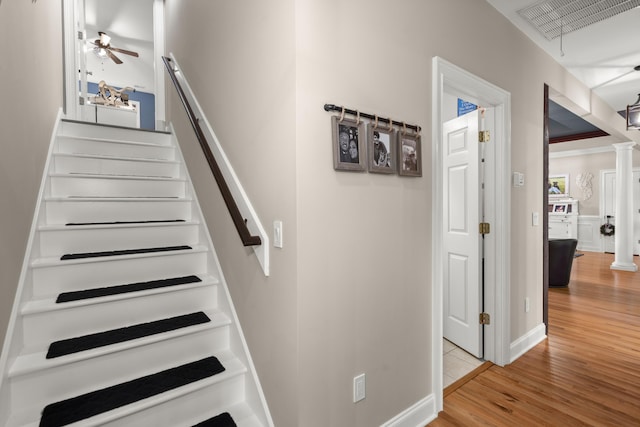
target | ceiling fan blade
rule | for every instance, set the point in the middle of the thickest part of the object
(126, 52)
(113, 57)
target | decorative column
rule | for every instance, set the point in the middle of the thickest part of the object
(624, 208)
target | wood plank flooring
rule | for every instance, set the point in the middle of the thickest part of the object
(587, 373)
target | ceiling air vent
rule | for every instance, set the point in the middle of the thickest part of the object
(550, 17)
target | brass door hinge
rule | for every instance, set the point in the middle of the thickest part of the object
(484, 136)
(485, 228)
(485, 319)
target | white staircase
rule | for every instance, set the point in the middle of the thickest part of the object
(118, 203)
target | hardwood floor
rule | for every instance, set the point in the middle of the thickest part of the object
(587, 373)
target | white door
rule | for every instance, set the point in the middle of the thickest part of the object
(462, 213)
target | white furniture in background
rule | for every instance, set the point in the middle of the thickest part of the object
(563, 221)
(120, 115)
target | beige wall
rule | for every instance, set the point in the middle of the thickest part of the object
(31, 88)
(350, 292)
(239, 58)
(591, 163)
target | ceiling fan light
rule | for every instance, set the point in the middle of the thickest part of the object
(105, 39)
(100, 52)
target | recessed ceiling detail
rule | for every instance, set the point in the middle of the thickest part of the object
(553, 17)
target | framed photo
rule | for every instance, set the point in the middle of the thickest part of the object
(349, 148)
(560, 208)
(381, 144)
(558, 186)
(409, 154)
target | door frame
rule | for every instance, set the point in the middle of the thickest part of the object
(448, 78)
(71, 92)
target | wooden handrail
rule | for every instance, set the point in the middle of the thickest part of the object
(236, 216)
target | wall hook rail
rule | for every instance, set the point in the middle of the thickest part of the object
(343, 110)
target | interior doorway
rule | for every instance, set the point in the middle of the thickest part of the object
(113, 48)
(448, 79)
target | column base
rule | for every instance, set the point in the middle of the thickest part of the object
(624, 266)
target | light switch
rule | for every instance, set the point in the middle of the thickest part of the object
(518, 179)
(277, 234)
(535, 219)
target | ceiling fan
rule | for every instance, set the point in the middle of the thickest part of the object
(103, 48)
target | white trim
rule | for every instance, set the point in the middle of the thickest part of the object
(418, 415)
(528, 341)
(581, 152)
(18, 299)
(450, 78)
(160, 72)
(258, 399)
(240, 196)
(70, 79)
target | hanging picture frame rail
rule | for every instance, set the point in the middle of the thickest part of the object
(340, 109)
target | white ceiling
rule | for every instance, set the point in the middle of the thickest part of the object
(130, 25)
(601, 55)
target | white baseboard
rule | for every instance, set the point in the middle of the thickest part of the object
(527, 342)
(418, 415)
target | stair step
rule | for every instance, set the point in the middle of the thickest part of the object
(62, 210)
(114, 336)
(42, 327)
(114, 165)
(114, 186)
(123, 252)
(45, 305)
(72, 224)
(52, 276)
(113, 147)
(222, 420)
(104, 400)
(99, 130)
(120, 289)
(36, 361)
(60, 239)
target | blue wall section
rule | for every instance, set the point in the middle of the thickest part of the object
(147, 105)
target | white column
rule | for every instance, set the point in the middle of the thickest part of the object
(624, 208)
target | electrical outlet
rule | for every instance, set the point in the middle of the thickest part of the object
(359, 387)
(527, 305)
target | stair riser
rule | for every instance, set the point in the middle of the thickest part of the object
(107, 148)
(81, 377)
(41, 329)
(87, 165)
(63, 212)
(105, 132)
(67, 277)
(62, 186)
(190, 409)
(73, 239)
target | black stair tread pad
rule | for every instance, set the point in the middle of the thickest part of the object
(222, 420)
(123, 252)
(97, 402)
(125, 222)
(114, 336)
(121, 289)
